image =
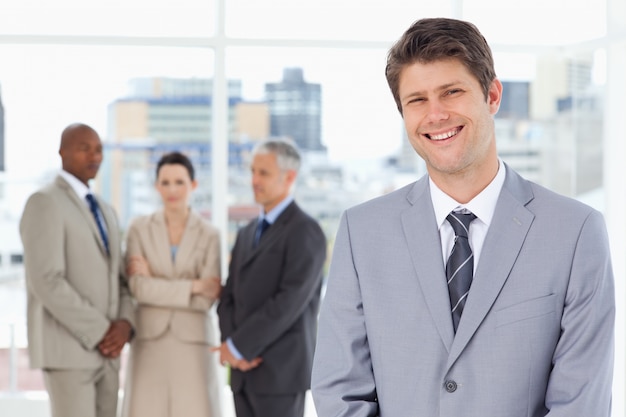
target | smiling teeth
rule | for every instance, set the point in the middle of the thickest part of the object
(444, 135)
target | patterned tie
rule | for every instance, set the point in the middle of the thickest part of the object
(93, 206)
(261, 227)
(460, 265)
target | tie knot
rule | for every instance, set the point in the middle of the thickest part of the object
(264, 225)
(91, 200)
(260, 229)
(460, 222)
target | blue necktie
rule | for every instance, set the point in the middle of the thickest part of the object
(460, 265)
(93, 206)
(261, 227)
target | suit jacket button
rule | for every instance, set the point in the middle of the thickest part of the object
(451, 386)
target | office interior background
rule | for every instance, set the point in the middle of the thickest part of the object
(214, 77)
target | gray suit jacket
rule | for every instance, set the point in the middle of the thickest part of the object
(74, 288)
(536, 336)
(270, 303)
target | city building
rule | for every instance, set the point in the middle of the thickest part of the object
(296, 110)
(568, 111)
(165, 114)
(515, 102)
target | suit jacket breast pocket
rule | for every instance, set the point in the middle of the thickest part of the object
(526, 310)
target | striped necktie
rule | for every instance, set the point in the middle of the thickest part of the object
(460, 265)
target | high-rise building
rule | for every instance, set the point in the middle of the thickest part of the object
(168, 110)
(572, 108)
(296, 110)
(515, 101)
(166, 114)
(1, 133)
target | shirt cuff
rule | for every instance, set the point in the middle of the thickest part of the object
(233, 349)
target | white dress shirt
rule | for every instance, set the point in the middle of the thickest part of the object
(81, 191)
(483, 206)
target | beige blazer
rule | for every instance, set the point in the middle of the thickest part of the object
(74, 288)
(164, 299)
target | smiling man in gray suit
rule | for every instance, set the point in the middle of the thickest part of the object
(530, 331)
(79, 308)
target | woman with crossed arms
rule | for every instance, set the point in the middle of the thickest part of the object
(173, 265)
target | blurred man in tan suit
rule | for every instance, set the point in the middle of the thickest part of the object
(79, 307)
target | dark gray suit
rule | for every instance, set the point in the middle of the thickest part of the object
(270, 303)
(536, 337)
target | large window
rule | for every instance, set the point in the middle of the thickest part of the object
(213, 77)
(107, 18)
(347, 20)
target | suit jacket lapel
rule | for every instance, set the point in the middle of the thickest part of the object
(274, 232)
(160, 241)
(86, 213)
(422, 237)
(504, 240)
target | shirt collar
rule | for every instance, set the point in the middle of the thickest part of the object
(483, 205)
(77, 185)
(273, 214)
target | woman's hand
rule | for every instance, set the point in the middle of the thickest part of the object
(137, 265)
(210, 288)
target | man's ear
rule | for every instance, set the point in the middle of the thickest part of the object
(494, 96)
(291, 176)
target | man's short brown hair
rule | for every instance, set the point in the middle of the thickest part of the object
(435, 39)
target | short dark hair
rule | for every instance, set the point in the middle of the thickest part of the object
(435, 39)
(176, 158)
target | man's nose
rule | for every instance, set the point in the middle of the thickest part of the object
(436, 111)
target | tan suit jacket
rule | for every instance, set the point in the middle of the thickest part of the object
(74, 288)
(166, 313)
(164, 299)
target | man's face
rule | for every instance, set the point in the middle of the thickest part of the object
(447, 118)
(82, 154)
(269, 183)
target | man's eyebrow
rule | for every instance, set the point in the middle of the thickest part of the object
(440, 88)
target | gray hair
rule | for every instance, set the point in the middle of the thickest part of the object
(287, 154)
